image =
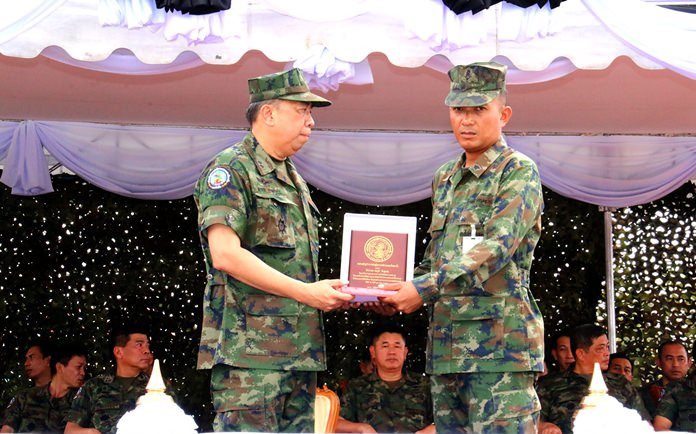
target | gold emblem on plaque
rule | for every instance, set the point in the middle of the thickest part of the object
(379, 249)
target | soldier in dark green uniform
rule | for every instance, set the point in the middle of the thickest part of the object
(37, 362)
(388, 400)
(561, 392)
(104, 399)
(485, 340)
(674, 362)
(677, 409)
(43, 408)
(262, 331)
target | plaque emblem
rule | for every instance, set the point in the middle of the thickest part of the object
(379, 249)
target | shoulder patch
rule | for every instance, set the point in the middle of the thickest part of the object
(218, 178)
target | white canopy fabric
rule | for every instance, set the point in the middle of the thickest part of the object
(408, 34)
(331, 41)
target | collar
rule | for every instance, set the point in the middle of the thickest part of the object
(266, 164)
(484, 161)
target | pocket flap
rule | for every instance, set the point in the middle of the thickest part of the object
(274, 195)
(477, 308)
(269, 305)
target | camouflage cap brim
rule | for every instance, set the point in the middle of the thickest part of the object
(316, 100)
(458, 98)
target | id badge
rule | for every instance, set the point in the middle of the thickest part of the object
(468, 242)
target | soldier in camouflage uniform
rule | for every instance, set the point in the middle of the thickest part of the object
(104, 399)
(677, 409)
(674, 362)
(262, 331)
(485, 340)
(561, 392)
(43, 408)
(388, 400)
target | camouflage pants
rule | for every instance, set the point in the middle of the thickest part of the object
(263, 400)
(496, 402)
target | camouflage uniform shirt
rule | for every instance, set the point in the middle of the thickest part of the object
(679, 404)
(483, 316)
(560, 394)
(104, 399)
(401, 407)
(267, 204)
(34, 410)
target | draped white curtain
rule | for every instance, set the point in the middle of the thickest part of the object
(666, 36)
(374, 168)
(588, 33)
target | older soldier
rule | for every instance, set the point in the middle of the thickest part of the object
(387, 400)
(561, 393)
(674, 363)
(43, 408)
(485, 340)
(262, 331)
(101, 402)
(677, 409)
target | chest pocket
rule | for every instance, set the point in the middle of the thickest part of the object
(271, 325)
(273, 223)
(106, 416)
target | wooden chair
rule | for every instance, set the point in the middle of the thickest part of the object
(326, 410)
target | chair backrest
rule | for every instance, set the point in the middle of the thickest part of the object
(326, 410)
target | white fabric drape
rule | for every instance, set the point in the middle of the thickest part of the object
(531, 38)
(24, 15)
(666, 36)
(374, 168)
(124, 62)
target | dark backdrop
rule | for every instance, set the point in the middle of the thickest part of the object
(78, 261)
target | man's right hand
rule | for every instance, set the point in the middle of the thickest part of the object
(548, 428)
(325, 295)
(365, 428)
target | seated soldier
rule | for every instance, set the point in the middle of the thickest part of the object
(560, 393)
(619, 363)
(560, 351)
(677, 409)
(43, 408)
(37, 362)
(388, 400)
(674, 362)
(102, 401)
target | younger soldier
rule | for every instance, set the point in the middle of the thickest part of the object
(104, 399)
(619, 363)
(387, 400)
(674, 363)
(486, 334)
(561, 393)
(37, 362)
(677, 409)
(561, 352)
(43, 408)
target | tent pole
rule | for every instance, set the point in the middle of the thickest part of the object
(609, 260)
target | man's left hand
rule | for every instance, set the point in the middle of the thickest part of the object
(406, 300)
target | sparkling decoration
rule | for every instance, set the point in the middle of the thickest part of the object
(79, 261)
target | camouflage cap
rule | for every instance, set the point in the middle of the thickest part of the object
(475, 84)
(289, 85)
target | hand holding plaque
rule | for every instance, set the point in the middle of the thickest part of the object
(377, 250)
